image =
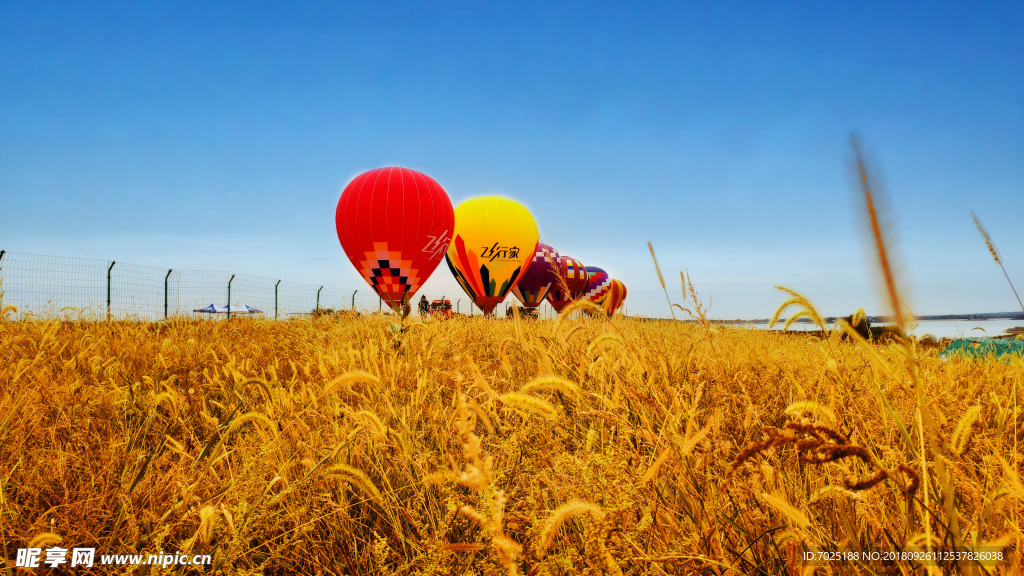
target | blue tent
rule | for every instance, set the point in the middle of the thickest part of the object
(214, 309)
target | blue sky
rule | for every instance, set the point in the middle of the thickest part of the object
(219, 135)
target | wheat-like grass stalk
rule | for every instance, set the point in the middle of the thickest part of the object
(603, 340)
(652, 471)
(563, 514)
(355, 477)
(244, 419)
(581, 305)
(1013, 481)
(374, 421)
(551, 384)
(806, 309)
(885, 267)
(481, 414)
(530, 403)
(345, 381)
(986, 237)
(964, 431)
(207, 523)
(995, 256)
(811, 407)
(690, 443)
(661, 279)
(786, 509)
(587, 307)
(45, 539)
(833, 492)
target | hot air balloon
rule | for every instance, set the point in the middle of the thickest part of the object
(534, 283)
(571, 284)
(614, 297)
(492, 246)
(597, 284)
(395, 225)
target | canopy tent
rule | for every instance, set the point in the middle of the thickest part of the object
(214, 309)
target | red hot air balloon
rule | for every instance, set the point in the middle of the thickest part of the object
(395, 225)
(571, 285)
(598, 284)
(539, 277)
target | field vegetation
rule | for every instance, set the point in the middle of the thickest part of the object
(586, 445)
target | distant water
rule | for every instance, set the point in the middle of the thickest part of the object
(965, 328)
(937, 328)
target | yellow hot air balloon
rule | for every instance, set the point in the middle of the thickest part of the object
(493, 243)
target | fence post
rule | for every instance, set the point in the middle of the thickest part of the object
(108, 288)
(354, 299)
(380, 304)
(229, 295)
(165, 291)
(2, 252)
(457, 302)
(275, 298)
(318, 298)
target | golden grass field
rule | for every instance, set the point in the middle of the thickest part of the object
(482, 446)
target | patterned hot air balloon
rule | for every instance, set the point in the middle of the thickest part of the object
(571, 285)
(395, 225)
(492, 246)
(598, 283)
(534, 283)
(613, 297)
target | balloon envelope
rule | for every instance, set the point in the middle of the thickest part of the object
(395, 225)
(534, 283)
(598, 283)
(571, 285)
(614, 297)
(492, 246)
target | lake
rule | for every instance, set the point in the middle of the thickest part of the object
(937, 328)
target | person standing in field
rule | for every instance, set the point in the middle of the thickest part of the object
(424, 307)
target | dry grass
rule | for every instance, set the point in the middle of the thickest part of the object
(995, 255)
(479, 446)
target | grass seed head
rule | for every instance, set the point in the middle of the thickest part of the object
(563, 514)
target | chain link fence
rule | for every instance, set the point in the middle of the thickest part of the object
(57, 286)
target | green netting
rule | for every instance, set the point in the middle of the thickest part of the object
(983, 348)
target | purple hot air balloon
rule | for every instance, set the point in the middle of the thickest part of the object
(534, 284)
(598, 284)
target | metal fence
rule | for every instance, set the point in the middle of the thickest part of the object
(59, 286)
(52, 286)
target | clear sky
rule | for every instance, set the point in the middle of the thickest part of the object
(219, 135)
